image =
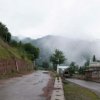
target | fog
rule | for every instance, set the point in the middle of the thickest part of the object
(38, 18)
(76, 50)
(76, 21)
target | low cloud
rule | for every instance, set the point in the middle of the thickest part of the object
(37, 18)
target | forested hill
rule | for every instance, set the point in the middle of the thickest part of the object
(76, 50)
(14, 55)
(10, 48)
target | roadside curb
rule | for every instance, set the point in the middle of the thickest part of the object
(58, 93)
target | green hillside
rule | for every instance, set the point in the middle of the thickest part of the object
(7, 51)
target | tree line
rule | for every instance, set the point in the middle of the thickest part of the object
(58, 58)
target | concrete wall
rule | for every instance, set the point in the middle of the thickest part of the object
(58, 92)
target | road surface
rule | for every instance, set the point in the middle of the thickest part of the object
(87, 84)
(28, 87)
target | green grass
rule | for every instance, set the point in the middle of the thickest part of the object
(4, 53)
(75, 92)
(7, 52)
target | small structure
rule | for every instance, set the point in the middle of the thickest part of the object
(60, 69)
(93, 72)
(66, 73)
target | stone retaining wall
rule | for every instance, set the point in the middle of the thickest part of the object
(11, 65)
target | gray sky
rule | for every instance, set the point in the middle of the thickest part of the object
(37, 18)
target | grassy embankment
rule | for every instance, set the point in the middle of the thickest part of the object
(76, 92)
(8, 52)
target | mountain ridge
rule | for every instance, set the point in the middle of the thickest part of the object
(76, 50)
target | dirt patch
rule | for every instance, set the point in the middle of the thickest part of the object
(49, 88)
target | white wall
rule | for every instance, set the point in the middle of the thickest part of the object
(61, 68)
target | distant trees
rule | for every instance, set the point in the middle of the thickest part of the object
(57, 58)
(28, 49)
(87, 63)
(4, 33)
(73, 68)
(94, 58)
(14, 43)
(45, 65)
(82, 70)
(32, 51)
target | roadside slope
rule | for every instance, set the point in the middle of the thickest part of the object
(12, 59)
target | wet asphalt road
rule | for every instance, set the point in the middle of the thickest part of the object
(88, 84)
(28, 87)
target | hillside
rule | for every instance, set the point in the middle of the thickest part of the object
(13, 60)
(76, 50)
(7, 52)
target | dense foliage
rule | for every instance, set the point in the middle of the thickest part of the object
(45, 65)
(4, 33)
(73, 68)
(31, 50)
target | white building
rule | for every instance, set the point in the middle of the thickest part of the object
(60, 69)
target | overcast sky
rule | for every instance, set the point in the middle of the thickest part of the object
(37, 18)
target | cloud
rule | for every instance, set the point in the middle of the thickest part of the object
(37, 18)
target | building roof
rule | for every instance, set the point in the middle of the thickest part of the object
(94, 64)
(63, 67)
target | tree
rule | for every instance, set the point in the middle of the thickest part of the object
(82, 70)
(45, 65)
(57, 58)
(94, 58)
(14, 43)
(73, 68)
(87, 63)
(32, 51)
(4, 33)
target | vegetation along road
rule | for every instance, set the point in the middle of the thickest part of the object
(87, 84)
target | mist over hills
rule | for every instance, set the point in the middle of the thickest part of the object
(76, 50)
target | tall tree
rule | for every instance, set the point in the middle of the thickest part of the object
(57, 58)
(94, 58)
(4, 33)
